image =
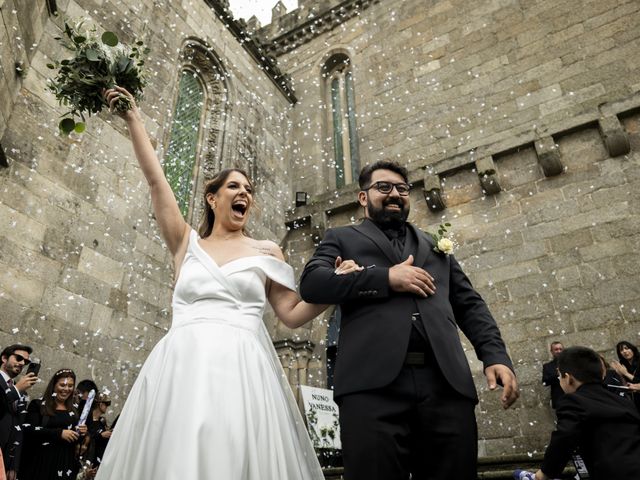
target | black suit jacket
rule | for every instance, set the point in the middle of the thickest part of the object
(11, 412)
(376, 321)
(550, 379)
(604, 427)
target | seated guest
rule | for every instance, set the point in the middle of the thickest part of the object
(50, 433)
(603, 427)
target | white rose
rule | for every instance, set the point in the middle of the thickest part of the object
(445, 246)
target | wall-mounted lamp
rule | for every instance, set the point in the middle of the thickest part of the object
(301, 199)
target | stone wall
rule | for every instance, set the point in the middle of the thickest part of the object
(84, 275)
(22, 24)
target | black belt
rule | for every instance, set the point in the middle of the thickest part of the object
(415, 359)
(416, 342)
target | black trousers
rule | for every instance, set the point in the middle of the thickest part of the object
(417, 425)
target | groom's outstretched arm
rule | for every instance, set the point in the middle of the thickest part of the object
(320, 284)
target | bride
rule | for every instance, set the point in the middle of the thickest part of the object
(212, 401)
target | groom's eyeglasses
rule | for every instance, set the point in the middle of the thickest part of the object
(20, 358)
(387, 187)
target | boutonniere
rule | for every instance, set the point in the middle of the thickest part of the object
(443, 243)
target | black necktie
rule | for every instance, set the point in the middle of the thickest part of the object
(397, 239)
(394, 237)
(15, 406)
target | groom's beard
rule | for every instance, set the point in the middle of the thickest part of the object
(388, 218)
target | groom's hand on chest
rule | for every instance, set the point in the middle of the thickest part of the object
(404, 277)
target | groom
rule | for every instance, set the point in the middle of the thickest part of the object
(402, 380)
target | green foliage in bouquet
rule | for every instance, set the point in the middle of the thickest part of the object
(97, 63)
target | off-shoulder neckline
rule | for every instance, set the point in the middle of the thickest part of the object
(197, 242)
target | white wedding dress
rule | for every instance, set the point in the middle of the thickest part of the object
(212, 402)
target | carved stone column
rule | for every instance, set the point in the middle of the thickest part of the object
(294, 356)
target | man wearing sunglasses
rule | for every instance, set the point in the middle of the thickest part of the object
(402, 380)
(14, 358)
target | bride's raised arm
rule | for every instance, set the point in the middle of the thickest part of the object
(173, 228)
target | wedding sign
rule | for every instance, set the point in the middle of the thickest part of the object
(322, 417)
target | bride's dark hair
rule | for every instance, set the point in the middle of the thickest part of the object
(212, 186)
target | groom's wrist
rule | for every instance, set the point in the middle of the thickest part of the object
(380, 281)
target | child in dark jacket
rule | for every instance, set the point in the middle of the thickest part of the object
(602, 426)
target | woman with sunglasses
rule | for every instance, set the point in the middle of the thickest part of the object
(212, 400)
(51, 434)
(98, 434)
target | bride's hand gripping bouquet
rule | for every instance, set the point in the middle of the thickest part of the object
(98, 63)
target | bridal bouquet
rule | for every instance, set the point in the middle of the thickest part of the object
(97, 63)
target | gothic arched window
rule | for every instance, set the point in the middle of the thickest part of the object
(180, 158)
(341, 102)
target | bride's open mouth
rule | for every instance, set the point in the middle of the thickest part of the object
(239, 209)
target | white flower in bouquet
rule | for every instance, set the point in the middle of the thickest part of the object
(98, 63)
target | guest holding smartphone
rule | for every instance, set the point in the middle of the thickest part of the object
(12, 391)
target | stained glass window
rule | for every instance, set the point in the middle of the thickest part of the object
(353, 130)
(337, 71)
(336, 111)
(180, 159)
